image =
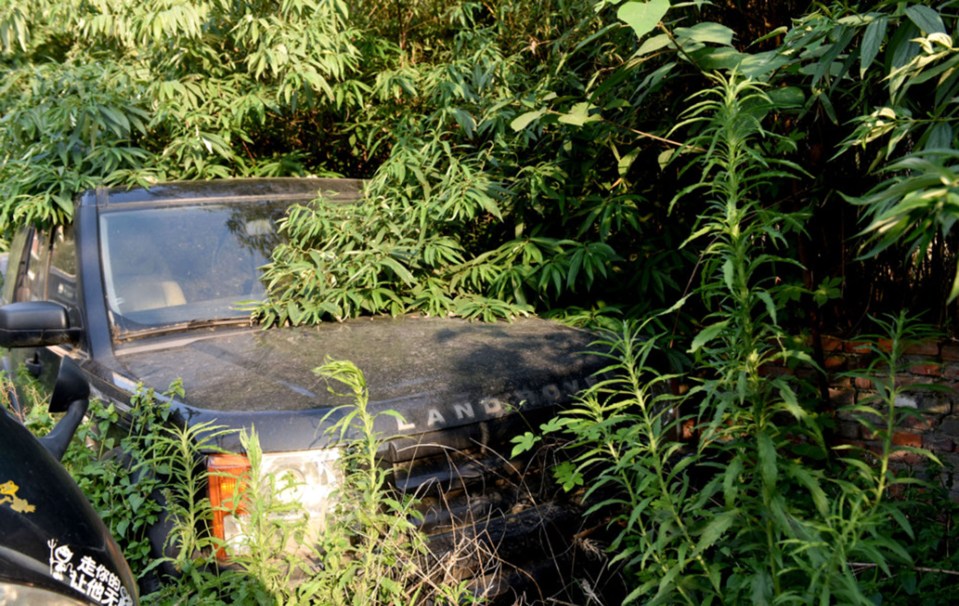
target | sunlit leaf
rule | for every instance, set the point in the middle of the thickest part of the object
(643, 17)
(579, 114)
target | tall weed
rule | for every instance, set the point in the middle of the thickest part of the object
(728, 493)
(372, 550)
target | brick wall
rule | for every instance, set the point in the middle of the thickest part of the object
(930, 374)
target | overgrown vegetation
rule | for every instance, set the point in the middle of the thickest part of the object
(370, 551)
(752, 505)
(734, 178)
(728, 494)
(518, 151)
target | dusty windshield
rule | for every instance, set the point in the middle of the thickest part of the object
(167, 266)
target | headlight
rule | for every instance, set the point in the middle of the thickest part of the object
(307, 478)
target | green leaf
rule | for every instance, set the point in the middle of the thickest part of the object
(579, 115)
(902, 47)
(770, 306)
(653, 44)
(939, 136)
(523, 120)
(707, 33)
(761, 585)
(768, 460)
(716, 528)
(722, 58)
(871, 41)
(811, 483)
(760, 64)
(627, 161)
(523, 443)
(729, 274)
(568, 476)
(926, 19)
(643, 17)
(787, 96)
(707, 334)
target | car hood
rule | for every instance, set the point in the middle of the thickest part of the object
(436, 373)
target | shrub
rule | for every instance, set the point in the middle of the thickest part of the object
(370, 551)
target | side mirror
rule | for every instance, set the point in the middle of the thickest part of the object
(35, 324)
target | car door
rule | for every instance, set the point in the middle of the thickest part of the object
(42, 266)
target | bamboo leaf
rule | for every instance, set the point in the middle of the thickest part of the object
(925, 18)
(524, 120)
(871, 42)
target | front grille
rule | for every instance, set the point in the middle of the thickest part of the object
(501, 523)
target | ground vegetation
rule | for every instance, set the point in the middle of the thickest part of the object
(715, 183)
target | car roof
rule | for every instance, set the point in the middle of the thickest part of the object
(193, 192)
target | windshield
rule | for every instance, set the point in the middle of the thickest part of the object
(181, 264)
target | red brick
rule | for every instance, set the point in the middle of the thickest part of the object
(834, 362)
(831, 344)
(949, 352)
(857, 347)
(863, 383)
(929, 348)
(844, 382)
(927, 369)
(843, 396)
(678, 388)
(907, 438)
(917, 384)
(907, 458)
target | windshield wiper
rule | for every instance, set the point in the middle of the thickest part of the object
(153, 331)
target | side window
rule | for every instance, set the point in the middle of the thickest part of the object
(62, 279)
(16, 262)
(46, 269)
(33, 286)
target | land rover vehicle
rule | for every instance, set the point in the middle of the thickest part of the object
(54, 548)
(147, 287)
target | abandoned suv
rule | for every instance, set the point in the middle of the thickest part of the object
(148, 286)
